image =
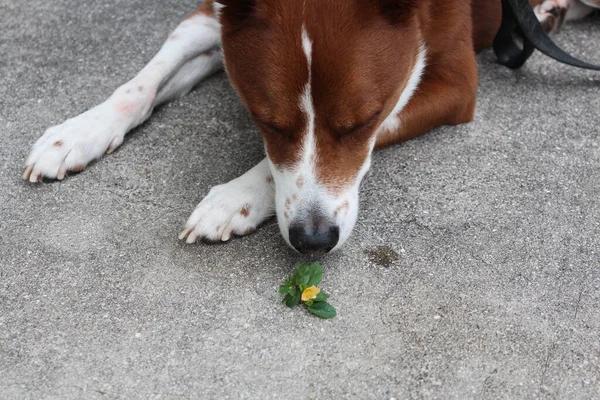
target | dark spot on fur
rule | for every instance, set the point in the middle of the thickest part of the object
(245, 211)
(58, 143)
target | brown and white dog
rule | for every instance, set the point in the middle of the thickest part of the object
(326, 82)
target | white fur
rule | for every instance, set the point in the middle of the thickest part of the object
(289, 198)
(190, 55)
(217, 7)
(307, 106)
(219, 214)
(392, 122)
(575, 9)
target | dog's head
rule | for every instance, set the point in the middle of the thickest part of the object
(321, 78)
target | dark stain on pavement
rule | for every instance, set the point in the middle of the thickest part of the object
(383, 256)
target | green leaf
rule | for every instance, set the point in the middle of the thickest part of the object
(322, 309)
(322, 296)
(292, 300)
(309, 274)
(302, 274)
(283, 289)
(286, 287)
(316, 275)
(295, 279)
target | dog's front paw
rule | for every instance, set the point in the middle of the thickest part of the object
(73, 144)
(235, 208)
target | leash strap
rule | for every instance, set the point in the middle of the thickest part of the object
(519, 19)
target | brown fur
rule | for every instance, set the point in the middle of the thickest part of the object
(343, 97)
(205, 8)
(362, 56)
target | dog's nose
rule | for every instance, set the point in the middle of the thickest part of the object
(315, 236)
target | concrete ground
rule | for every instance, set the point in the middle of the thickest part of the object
(473, 271)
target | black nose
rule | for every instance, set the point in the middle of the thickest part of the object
(316, 236)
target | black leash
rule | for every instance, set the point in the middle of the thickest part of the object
(518, 18)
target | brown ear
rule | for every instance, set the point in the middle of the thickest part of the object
(396, 11)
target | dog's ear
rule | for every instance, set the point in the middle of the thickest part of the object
(237, 10)
(396, 11)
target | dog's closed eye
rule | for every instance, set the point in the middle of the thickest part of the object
(267, 125)
(360, 126)
(271, 127)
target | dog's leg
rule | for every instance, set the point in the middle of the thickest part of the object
(446, 96)
(235, 208)
(553, 13)
(190, 54)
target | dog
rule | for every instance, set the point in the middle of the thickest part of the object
(325, 81)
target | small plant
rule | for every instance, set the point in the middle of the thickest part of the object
(302, 287)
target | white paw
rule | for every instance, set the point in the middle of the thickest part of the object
(235, 208)
(76, 142)
(73, 144)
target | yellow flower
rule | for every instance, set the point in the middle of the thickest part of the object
(310, 293)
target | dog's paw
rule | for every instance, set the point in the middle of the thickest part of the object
(551, 14)
(76, 142)
(73, 144)
(235, 208)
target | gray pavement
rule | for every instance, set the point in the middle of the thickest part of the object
(473, 271)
